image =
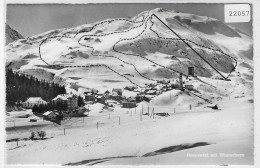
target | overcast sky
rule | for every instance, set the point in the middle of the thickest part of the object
(34, 19)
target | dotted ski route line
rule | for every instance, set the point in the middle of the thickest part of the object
(92, 52)
(110, 21)
(184, 75)
(113, 47)
(216, 50)
(189, 92)
(95, 65)
(111, 56)
(71, 66)
(132, 54)
(44, 40)
(192, 48)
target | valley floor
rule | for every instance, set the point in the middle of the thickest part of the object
(197, 136)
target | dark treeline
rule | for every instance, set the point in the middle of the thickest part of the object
(59, 106)
(20, 87)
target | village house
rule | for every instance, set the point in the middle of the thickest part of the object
(112, 103)
(189, 87)
(129, 103)
(118, 91)
(139, 98)
(130, 88)
(152, 92)
(90, 91)
(107, 94)
(116, 96)
(101, 99)
(72, 102)
(52, 115)
(70, 99)
(33, 101)
(60, 98)
(49, 115)
(90, 97)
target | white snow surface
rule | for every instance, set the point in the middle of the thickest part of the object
(138, 60)
(228, 130)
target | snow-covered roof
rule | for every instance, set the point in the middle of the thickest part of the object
(131, 99)
(115, 94)
(63, 97)
(101, 92)
(99, 96)
(35, 100)
(89, 94)
(117, 90)
(107, 91)
(111, 101)
(47, 113)
(151, 91)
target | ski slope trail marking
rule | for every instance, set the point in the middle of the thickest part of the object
(144, 21)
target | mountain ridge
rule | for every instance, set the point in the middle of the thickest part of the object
(98, 43)
(11, 34)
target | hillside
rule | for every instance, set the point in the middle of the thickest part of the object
(153, 45)
(137, 47)
(148, 51)
(11, 34)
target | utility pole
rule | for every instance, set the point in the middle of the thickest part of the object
(142, 109)
(148, 111)
(64, 131)
(119, 120)
(153, 112)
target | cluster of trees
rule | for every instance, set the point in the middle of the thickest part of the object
(50, 107)
(41, 134)
(20, 87)
(81, 101)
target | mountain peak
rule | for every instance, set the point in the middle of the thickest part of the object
(11, 34)
(159, 10)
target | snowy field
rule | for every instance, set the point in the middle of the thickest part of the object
(225, 132)
(119, 52)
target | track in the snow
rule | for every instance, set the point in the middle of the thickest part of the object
(144, 21)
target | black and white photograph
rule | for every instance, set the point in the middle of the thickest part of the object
(137, 84)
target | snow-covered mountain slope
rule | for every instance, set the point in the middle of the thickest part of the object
(136, 51)
(11, 34)
(114, 53)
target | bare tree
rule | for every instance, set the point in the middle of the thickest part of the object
(32, 136)
(41, 134)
